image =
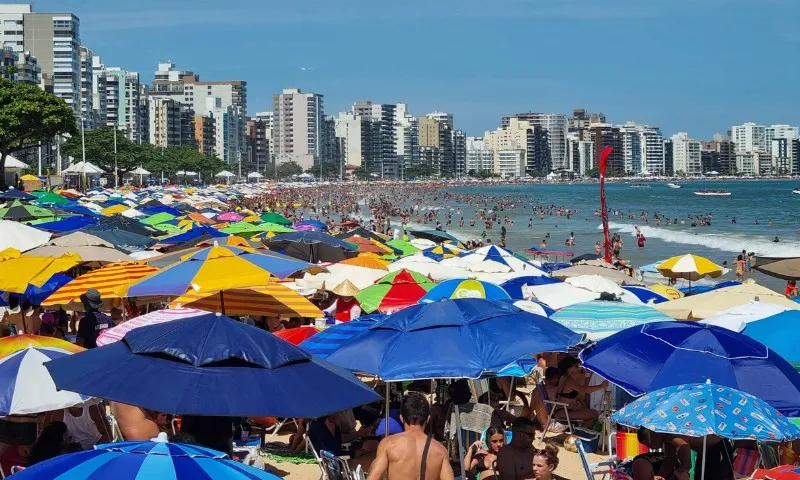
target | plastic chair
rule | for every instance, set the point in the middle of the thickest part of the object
(591, 469)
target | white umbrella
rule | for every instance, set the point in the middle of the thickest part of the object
(559, 295)
(21, 236)
(85, 168)
(186, 173)
(12, 162)
(361, 277)
(255, 175)
(139, 171)
(738, 317)
(596, 284)
(225, 174)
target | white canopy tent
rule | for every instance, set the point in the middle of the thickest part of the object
(255, 176)
(83, 168)
(13, 167)
(226, 175)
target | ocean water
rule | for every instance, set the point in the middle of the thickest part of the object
(763, 210)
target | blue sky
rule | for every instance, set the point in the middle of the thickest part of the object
(687, 65)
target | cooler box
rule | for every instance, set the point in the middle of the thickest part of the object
(589, 438)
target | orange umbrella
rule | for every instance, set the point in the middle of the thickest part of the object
(106, 280)
(270, 299)
(366, 261)
(298, 335)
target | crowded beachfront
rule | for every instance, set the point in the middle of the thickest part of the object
(373, 330)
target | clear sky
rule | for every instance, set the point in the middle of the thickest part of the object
(698, 66)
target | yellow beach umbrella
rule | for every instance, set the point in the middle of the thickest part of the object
(17, 271)
(270, 299)
(251, 219)
(111, 281)
(689, 267)
(366, 260)
(114, 210)
(670, 292)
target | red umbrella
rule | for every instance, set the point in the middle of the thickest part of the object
(784, 472)
(296, 336)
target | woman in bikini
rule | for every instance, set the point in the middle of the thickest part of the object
(570, 389)
(480, 458)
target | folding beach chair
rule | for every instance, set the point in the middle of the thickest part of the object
(335, 468)
(552, 407)
(591, 469)
(769, 459)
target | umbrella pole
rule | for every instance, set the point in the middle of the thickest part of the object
(222, 302)
(386, 408)
(510, 394)
(703, 463)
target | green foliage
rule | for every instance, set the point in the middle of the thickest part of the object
(419, 170)
(361, 173)
(593, 173)
(288, 169)
(29, 116)
(100, 149)
(480, 174)
(329, 170)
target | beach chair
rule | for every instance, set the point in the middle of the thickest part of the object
(769, 459)
(359, 473)
(552, 407)
(473, 419)
(335, 468)
(591, 469)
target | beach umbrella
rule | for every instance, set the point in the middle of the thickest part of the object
(306, 225)
(157, 218)
(21, 237)
(596, 284)
(270, 299)
(191, 366)
(599, 319)
(406, 248)
(155, 317)
(92, 249)
(738, 317)
(36, 295)
(435, 236)
(533, 306)
(18, 272)
(585, 257)
(114, 209)
(366, 261)
(297, 335)
(122, 239)
(645, 295)
(493, 253)
(312, 246)
(464, 288)
(273, 217)
(360, 277)
(110, 280)
(249, 229)
(195, 233)
(26, 387)
(69, 224)
(368, 245)
(14, 194)
(394, 291)
(21, 212)
(786, 269)
(330, 339)
(609, 273)
(440, 252)
(229, 217)
(213, 269)
(779, 333)
(127, 224)
(473, 338)
(663, 354)
(516, 286)
(50, 198)
(689, 267)
(154, 459)
(705, 305)
(671, 293)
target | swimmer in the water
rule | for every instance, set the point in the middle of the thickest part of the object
(775, 240)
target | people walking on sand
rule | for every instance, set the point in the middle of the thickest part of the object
(412, 453)
(741, 265)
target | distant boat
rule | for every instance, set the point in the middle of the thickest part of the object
(674, 185)
(796, 191)
(640, 186)
(713, 193)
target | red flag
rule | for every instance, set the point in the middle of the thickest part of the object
(603, 209)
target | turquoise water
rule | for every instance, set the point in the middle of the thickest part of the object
(768, 202)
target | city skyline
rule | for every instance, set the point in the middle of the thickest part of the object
(681, 71)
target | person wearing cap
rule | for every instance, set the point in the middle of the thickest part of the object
(93, 321)
(515, 459)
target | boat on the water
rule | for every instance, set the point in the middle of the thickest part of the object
(713, 193)
(796, 191)
(674, 185)
(640, 186)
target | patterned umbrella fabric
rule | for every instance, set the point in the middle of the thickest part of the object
(689, 267)
(394, 292)
(25, 385)
(464, 288)
(153, 459)
(116, 334)
(107, 280)
(270, 299)
(440, 252)
(599, 319)
(701, 409)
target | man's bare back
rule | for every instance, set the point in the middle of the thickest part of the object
(401, 455)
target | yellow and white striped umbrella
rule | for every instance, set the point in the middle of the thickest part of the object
(690, 267)
(270, 299)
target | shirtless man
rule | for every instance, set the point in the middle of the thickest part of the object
(402, 454)
(135, 423)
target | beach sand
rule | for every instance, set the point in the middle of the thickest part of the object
(569, 465)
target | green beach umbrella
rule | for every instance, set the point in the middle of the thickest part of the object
(394, 292)
(406, 247)
(49, 198)
(249, 229)
(158, 218)
(167, 227)
(21, 212)
(272, 217)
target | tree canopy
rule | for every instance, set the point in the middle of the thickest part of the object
(29, 116)
(419, 170)
(329, 170)
(289, 169)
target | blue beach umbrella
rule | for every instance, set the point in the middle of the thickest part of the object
(599, 319)
(645, 294)
(664, 354)
(16, 195)
(68, 224)
(464, 288)
(140, 460)
(194, 234)
(329, 340)
(779, 333)
(36, 295)
(515, 285)
(313, 224)
(211, 365)
(468, 338)
(701, 409)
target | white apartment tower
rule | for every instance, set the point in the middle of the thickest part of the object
(479, 157)
(297, 126)
(54, 39)
(123, 105)
(686, 156)
(556, 126)
(749, 138)
(643, 149)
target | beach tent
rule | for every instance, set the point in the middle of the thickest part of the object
(14, 169)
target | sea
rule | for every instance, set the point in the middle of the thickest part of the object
(764, 210)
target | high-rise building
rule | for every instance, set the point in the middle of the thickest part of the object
(297, 127)
(407, 128)
(19, 67)
(603, 135)
(779, 131)
(54, 39)
(443, 117)
(510, 163)
(86, 97)
(581, 119)
(329, 149)
(555, 124)
(581, 154)
(460, 152)
(515, 136)
(686, 156)
(784, 155)
(360, 141)
(230, 132)
(719, 155)
(205, 133)
(170, 123)
(435, 136)
(643, 149)
(267, 118)
(749, 137)
(123, 102)
(479, 157)
(99, 90)
(669, 164)
(257, 145)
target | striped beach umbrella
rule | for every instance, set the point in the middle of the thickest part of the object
(25, 385)
(599, 319)
(270, 299)
(109, 280)
(329, 340)
(153, 459)
(440, 252)
(689, 267)
(394, 291)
